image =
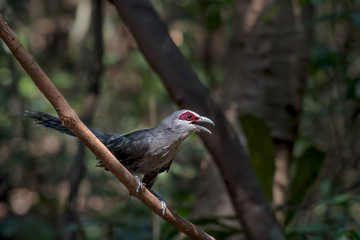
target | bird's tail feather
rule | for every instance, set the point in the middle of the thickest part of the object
(54, 123)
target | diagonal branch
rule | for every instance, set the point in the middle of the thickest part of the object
(69, 119)
(154, 41)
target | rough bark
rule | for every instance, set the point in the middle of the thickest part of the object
(69, 119)
(186, 90)
(267, 66)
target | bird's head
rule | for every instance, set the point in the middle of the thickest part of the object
(186, 120)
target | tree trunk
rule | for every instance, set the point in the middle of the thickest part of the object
(267, 69)
(186, 90)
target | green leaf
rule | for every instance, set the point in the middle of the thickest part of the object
(315, 228)
(353, 235)
(261, 149)
(213, 18)
(302, 2)
(307, 168)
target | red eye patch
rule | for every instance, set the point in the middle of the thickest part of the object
(188, 116)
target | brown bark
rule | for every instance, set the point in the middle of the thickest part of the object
(184, 87)
(69, 119)
(267, 68)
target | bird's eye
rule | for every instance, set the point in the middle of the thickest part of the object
(188, 116)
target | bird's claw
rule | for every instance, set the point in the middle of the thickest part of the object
(140, 186)
(163, 206)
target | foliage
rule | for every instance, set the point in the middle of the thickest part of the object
(261, 150)
(36, 164)
(307, 168)
(330, 121)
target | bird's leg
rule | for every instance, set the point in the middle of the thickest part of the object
(163, 204)
(140, 186)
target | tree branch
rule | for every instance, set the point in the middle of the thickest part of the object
(69, 119)
(186, 90)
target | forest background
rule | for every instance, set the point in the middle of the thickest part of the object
(285, 73)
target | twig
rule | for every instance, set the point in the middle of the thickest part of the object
(69, 119)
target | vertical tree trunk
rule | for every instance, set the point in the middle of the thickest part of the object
(267, 65)
(187, 91)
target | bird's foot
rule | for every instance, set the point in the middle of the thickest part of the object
(101, 165)
(163, 204)
(140, 186)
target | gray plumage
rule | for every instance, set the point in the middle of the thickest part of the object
(148, 152)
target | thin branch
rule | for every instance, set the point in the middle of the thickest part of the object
(184, 87)
(69, 119)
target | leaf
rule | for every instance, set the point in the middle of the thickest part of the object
(315, 228)
(307, 168)
(222, 227)
(353, 235)
(261, 149)
(302, 2)
(213, 18)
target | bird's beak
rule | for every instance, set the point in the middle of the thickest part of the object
(204, 120)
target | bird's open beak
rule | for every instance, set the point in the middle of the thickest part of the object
(204, 120)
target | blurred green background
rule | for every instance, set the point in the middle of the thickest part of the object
(36, 164)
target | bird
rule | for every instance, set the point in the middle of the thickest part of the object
(146, 152)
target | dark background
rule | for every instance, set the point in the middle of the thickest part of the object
(285, 73)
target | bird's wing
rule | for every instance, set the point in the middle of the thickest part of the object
(166, 167)
(129, 147)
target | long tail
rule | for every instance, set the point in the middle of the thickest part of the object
(54, 123)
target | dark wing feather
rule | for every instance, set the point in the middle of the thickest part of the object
(166, 167)
(129, 147)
